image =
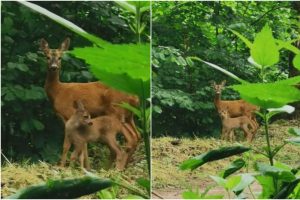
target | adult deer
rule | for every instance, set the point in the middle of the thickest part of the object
(235, 108)
(61, 95)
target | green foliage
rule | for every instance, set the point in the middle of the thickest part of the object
(296, 61)
(190, 194)
(209, 31)
(233, 167)
(269, 95)
(57, 189)
(212, 155)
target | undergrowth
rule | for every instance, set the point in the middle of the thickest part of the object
(166, 156)
(15, 176)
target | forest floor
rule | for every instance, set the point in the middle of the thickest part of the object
(15, 176)
(169, 182)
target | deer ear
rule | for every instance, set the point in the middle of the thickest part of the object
(223, 82)
(213, 83)
(44, 45)
(65, 44)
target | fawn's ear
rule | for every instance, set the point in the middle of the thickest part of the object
(44, 45)
(65, 44)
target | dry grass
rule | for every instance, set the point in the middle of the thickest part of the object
(18, 175)
(167, 157)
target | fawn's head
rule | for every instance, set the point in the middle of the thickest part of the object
(218, 87)
(82, 116)
(54, 55)
(224, 113)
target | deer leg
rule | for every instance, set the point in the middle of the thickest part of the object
(131, 143)
(132, 132)
(232, 136)
(86, 157)
(66, 148)
(223, 134)
(249, 136)
(113, 146)
(134, 128)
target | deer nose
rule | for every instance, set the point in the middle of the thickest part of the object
(54, 67)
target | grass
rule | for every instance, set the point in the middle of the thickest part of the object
(15, 176)
(167, 157)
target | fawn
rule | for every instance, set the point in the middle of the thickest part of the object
(236, 108)
(81, 129)
(61, 94)
(228, 124)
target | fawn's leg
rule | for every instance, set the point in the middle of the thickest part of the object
(249, 136)
(86, 157)
(131, 144)
(66, 148)
(113, 146)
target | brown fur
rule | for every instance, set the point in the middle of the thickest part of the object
(61, 94)
(81, 129)
(236, 108)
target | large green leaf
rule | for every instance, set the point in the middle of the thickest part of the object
(276, 172)
(270, 95)
(125, 67)
(63, 189)
(245, 181)
(264, 49)
(287, 190)
(267, 186)
(212, 155)
(296, 61)
(233, 167)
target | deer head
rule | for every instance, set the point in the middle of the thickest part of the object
(83, 117)
(224, 113)
(54, 55)
(219, 87)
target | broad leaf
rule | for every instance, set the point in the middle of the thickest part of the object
(295, 141)
(125, 67)
(233, 167)
(270, 95)
(264, 49)
(294, 131)
(63, 189)
(267, 186)
(220, 181)
(287, 190)
(296, 61)
(245, 181)
(212, 155)
(278, 173)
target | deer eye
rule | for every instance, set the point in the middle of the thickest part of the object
(59, 58)
(86, 116)
(48, 57)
